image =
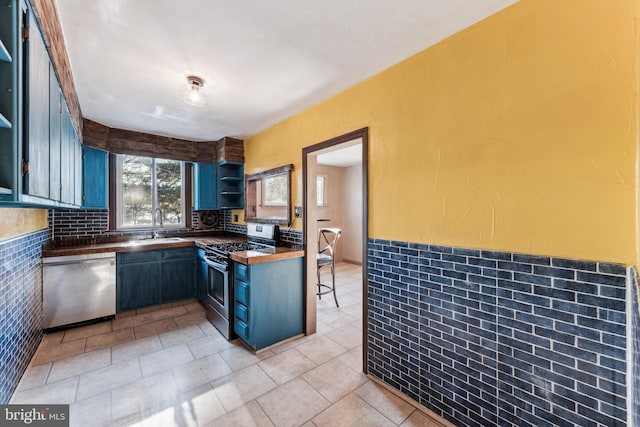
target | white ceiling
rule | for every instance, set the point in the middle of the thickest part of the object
(263, 61)
(343, 155)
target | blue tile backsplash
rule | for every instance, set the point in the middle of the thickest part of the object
(20, 306)
(79, 223)
(633, 334)
(494, 338)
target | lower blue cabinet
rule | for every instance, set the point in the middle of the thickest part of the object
(147, 278)
(268, 306)
(137, 285)
(202, 275)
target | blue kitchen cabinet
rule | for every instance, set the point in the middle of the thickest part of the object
(71, 163)
(95, 166)
(204, 187)
(63, 147)
(57, 153)
(10, 99)
(230, 185)
(177, 279)
(37, 133)
(146, 278)
(202, 275)
(137, 280)
(218, 185)
(38, 142)
(268, 306)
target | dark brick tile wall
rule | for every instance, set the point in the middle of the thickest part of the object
(287, 235)
(66, 223)
(634, 346)
(291, 236)
(493, 338)
(78, 222)
(20, 307)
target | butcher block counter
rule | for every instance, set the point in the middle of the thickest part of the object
(257, 256)
(123, 245)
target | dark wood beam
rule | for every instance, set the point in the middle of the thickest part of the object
(123, 141)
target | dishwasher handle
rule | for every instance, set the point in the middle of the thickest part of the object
(73, 259)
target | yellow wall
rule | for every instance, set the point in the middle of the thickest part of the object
(516, 134)
(15, 222)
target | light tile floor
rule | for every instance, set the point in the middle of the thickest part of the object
(167, 366)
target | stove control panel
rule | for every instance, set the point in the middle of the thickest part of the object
(262, 231)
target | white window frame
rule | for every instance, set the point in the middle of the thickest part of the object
(154, 197)
(322, 194)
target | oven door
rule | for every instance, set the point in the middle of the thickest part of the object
(218, 289)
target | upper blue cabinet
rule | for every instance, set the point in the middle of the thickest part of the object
(230, 185)
(9, 96)
(204, 187)
(95, 178)
(218, 185)
(40, 151)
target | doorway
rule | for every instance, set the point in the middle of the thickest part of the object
(325, 165)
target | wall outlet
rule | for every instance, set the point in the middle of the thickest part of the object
(297, 211)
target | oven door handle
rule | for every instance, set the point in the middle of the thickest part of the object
(215, 265)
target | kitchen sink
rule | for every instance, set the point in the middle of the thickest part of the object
(151, 241)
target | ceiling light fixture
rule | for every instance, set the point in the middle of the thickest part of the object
(192, 93)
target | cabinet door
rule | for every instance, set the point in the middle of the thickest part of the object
(202, 275)
(68, 157)
(138, 285)
(36, 181)
(177, 279)
(77, 175)
(94, 178)
(57, 153)
(204, 183)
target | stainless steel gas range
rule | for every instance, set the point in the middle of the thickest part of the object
(219, 289)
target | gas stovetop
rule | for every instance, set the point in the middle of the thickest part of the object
(259, 237)
(219, 253)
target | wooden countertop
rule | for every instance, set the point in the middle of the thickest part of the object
(266, 255)
(244, 257)
(139, 245)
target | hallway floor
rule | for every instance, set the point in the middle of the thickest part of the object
(168, 366)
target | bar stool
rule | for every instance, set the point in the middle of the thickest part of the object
(327, 240)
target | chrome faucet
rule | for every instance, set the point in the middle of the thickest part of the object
(154, 214)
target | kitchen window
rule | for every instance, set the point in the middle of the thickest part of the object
(144, 184)
(276, 190)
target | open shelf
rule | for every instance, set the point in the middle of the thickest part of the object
(4, 123)
(5, 190)
(232, 178)
(231, 193)
(5, 56)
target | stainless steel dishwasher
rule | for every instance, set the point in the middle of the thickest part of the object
(78, 288)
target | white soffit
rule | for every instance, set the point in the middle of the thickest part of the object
(342, 157)
(262, 61)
